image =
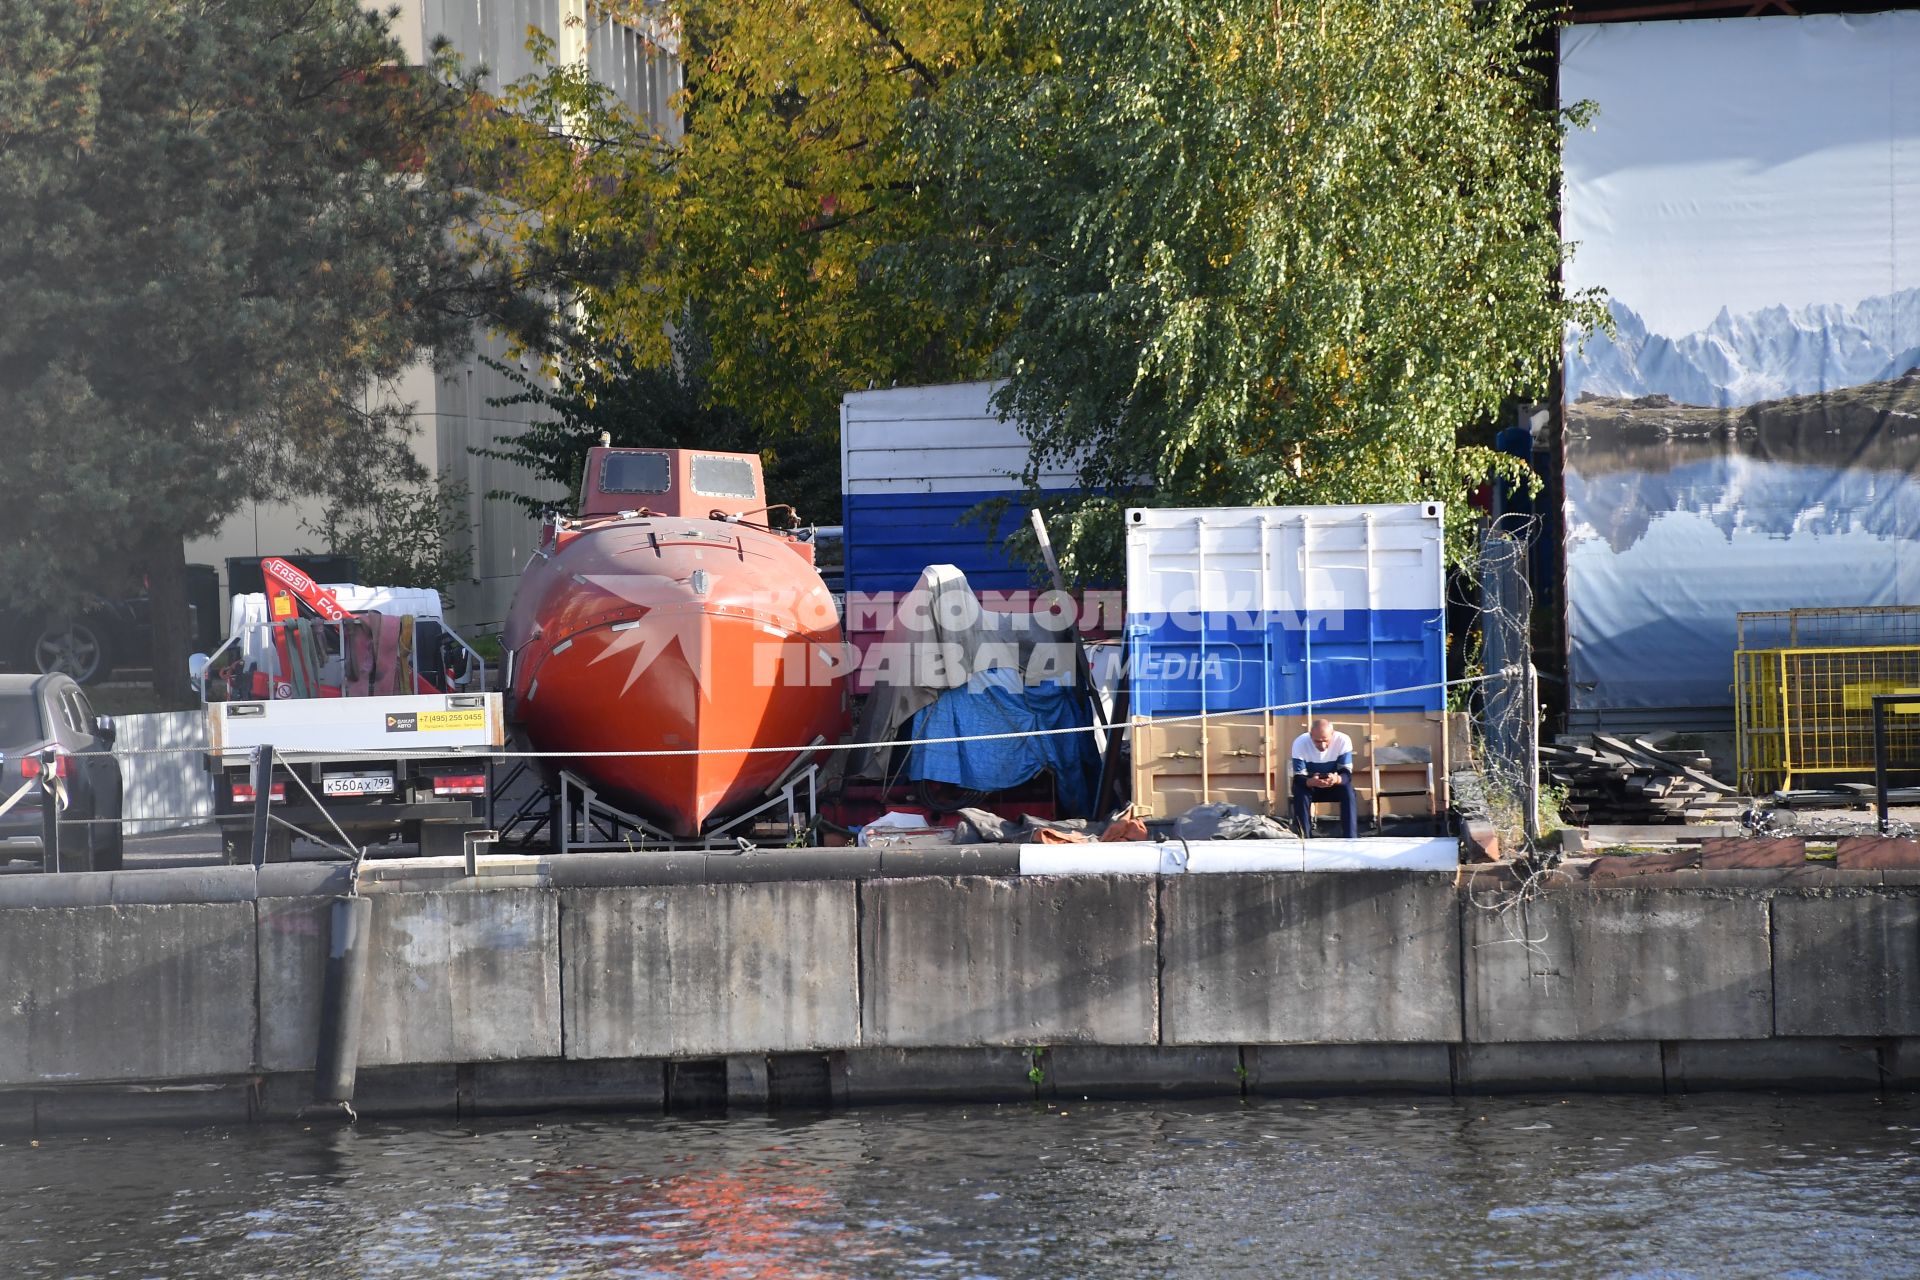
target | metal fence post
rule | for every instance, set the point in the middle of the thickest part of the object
(1531, 733)
(262, 797)
(1882, 701)
(473, 840)
(50, 811)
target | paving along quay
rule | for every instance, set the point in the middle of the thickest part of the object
(707, 881)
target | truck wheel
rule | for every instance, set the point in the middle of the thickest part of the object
(279, 845)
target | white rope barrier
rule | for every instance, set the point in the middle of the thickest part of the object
(403, 753)
(14, 799)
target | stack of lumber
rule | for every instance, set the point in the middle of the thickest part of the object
(1629, 780)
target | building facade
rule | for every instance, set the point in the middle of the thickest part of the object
(456, 411)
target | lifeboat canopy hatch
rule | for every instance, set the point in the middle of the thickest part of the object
(693, 483)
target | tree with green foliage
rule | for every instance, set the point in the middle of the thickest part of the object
(1272, 252)
(797, 186)
(402, 532)
(1294, 252)
(768, 221)
(227, 226)
(657, 406)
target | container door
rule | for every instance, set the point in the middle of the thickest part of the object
(1372, 636)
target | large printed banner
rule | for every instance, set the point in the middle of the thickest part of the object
(1749, 439)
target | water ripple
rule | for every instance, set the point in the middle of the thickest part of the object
(1582, 1186)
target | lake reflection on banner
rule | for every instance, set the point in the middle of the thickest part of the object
(1678, 518)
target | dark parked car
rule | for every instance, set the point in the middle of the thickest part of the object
(106, 633)
(50, 713)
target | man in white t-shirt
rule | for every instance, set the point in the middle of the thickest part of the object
(1323, 770)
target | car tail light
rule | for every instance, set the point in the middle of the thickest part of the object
(30, 766)
(243, 793)
(460, 784)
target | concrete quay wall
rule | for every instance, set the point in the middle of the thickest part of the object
(196, 995)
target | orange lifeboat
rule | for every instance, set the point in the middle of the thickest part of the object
(670, 616)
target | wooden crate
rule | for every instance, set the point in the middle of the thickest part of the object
(1171, 775)
(1246, 760)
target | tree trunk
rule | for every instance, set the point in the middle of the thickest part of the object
(166, 570)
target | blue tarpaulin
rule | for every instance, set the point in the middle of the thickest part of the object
(996, 703)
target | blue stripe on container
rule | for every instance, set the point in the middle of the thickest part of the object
(1251, 662)
(891, 537)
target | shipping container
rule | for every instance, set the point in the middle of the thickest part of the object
(1335, 609)
(914, 462)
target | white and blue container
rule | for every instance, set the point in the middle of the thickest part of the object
(1320, 610)
(914, 462)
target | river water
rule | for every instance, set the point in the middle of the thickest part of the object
(1728, 1185)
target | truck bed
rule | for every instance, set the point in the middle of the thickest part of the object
(307, 729)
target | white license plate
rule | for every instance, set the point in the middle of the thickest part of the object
(359, 784)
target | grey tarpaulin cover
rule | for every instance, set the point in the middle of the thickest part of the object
(940, 639)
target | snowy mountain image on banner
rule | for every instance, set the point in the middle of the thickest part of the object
(1762, 355)
(1743, 192)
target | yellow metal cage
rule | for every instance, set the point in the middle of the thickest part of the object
(1805, 707)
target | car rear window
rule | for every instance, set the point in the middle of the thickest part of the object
(19, 720)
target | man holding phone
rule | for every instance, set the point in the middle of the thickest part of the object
(1323, 770)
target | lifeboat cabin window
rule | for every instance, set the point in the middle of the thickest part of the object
(719, 477)
(625, 472)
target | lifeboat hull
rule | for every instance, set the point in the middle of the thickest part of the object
(690, 673)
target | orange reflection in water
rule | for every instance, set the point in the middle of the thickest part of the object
(773, 1221)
